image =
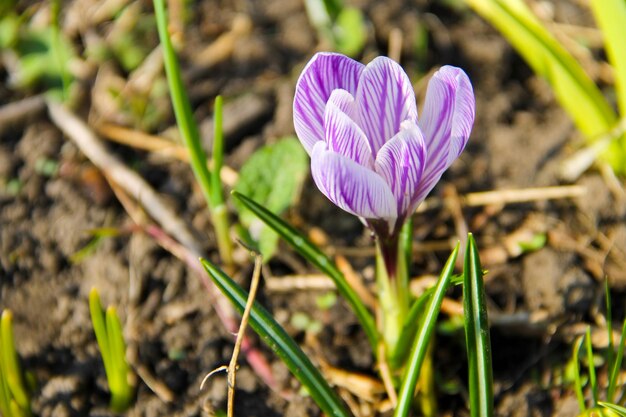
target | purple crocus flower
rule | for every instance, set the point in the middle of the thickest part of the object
(370, 154)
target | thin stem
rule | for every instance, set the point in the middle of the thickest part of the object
(219, 212)
(191, 135)
(232, 366)
(392, 308)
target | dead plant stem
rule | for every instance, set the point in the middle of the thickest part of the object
(232, 367)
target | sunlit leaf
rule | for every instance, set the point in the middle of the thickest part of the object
(281, 343)
(314, 255)
(423, 338)
(477, 334)
(272, 177)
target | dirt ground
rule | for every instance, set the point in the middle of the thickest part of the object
(539, 300)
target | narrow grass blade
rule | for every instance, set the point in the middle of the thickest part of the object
(100, 329)
(609, 327)
(180, 101)
(191, 135)
(281, 343)
(422, 339)
(121, 391)
(591, 367)
(578, 385)
(314, 255)
(617, 365)
(219, 213)
(573, 88)
(5, 392)
(56, 47)
(619, 410)
(218, 145)
(10, 361)
(477, 334)
(610, 16)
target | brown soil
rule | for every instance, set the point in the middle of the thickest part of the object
(521, 137)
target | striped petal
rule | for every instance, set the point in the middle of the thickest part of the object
(350, 186)
(343, 135)
(385, 98)
(324, 73)
(446, 121)
(401, 163)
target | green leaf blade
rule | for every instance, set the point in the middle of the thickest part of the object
(477, 334)
(274, 189)
(314, 255)
(281, 343)
(190, 134)
(11, 365)
(98, 321)
(618, 409)
(578, 385)
(617, 365)
(121, 391)
(611, 15)
(423, 337)
(573, 88)
(591, 367)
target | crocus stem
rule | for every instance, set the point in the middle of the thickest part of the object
(392, 306)
(405, 251)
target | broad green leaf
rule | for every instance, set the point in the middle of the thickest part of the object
(535, 243)
(281, 343)
(422, 339)
(43, 56)
(9, 28)
(573, 88)
(611, 17)
(272, 177)
(333, 7)
(477, 334)
(343, 27)
(314, 255)
(349, 31)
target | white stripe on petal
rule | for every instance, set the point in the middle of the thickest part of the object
(324, 73)
(350, 186)
(401, 163)
(385, 98)
(343, 135)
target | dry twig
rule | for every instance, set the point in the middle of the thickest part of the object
(222, 48)
(499, 197)
(113, 168)
(15, 113)
(152, 143)
(184, 245)
(232, 366)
